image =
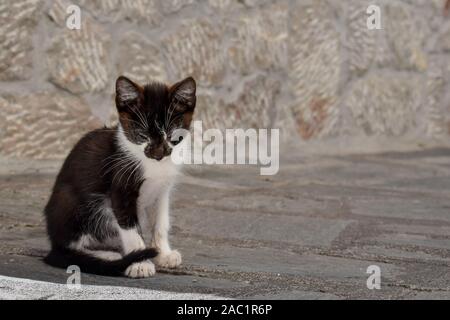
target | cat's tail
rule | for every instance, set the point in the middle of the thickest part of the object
(65, 257)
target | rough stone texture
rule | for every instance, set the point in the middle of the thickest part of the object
(17, 24)
(366, 48)
(309, 232)
(78, 59)
(259, 39)
(171, 6)
(226, 6)
(195, 48)
(221, 4)
(444, 38)
(385, 104)
(253, 106)
(141, 11)
(406, 35)
(437, 116)
(42, 125)
(146, 64)
(297, 65)
(314, 70)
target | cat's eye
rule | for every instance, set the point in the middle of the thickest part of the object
(175, 142)
(142, 136)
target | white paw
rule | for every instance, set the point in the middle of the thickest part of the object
(142, 269)
(171, 259)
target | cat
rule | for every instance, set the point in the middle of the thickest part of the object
(116, 181)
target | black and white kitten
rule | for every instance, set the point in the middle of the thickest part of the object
(116, 181)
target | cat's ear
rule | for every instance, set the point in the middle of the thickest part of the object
(184, 94)
(127, 93)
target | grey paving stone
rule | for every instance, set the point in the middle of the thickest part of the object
(309, 232)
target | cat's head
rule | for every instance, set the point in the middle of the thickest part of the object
(150, 115)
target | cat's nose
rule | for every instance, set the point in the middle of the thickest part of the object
(158, 153)
(156, 156)
(153, 153)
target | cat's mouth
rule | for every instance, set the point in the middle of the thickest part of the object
(157, 156)
(157, 153)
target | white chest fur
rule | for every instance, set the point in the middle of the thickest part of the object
(159, 175)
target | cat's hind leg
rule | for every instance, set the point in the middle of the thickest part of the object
(88, 244)
(143, 269)
(99, 236)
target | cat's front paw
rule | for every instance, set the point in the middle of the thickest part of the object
(142, 269)
(171, 259)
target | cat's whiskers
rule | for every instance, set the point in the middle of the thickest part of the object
(139, 124)
(123, 170)
(137, 165)
(119, 167)
(170, 110)
(144, 119)
(119, 162)
(159, 128)
(115, 157)
(166, 113)
(140, 116)
(172, 122)
(95, 207)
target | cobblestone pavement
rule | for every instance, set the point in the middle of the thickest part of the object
(309, 232)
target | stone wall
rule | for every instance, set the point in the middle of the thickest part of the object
(309, 67)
